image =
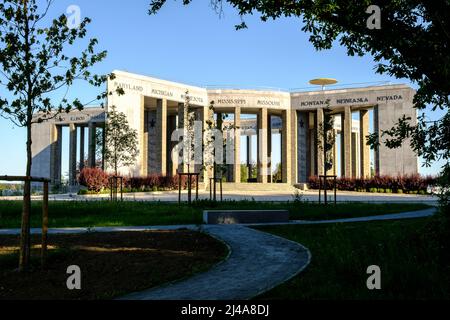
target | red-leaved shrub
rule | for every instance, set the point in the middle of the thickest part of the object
(156, 182)
(95, 179)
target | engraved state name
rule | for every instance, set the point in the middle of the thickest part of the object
(358, 100)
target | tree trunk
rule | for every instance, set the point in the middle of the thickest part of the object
(116, 161)
(24, 259)
(325, 162)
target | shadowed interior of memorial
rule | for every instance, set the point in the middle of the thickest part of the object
(263, 136)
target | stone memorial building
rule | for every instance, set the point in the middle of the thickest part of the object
(262, 118)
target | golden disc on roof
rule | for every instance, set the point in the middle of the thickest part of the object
(323, 81)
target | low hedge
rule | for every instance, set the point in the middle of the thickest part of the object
(388, 184)
(96, 180)
(154, 182)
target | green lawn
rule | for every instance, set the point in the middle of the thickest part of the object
(413, 256)
(105, 213)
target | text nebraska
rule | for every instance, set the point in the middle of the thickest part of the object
(352, 100)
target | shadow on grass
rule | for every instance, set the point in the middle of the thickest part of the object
(128, 213)
(412, 254)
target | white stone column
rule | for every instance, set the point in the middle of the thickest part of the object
(294, 154)
(354, 152)
(171, 162)
(304, 149)
(143, 143)
(312, 143)
(91, 143)
(237, 145)
(81, 148)
(364, 148)
(72, 154)
(319, 141)
(249, 156)
(376, 129)
(182, 167)
(219, 124)
(55, 160)
(262, 145)
(286, 147)
(347, 130)
(161, 134)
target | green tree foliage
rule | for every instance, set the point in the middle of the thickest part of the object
(35, 67)
(121, 141)
(277, 174)
(188, 133)
(254, 171)
(326, 138)
(210, 142)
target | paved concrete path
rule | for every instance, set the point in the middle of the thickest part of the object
(257, 262)
(393, 216)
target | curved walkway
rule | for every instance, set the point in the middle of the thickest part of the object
(257, 262)
(392, 216)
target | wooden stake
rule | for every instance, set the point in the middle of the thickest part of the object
(44, 226)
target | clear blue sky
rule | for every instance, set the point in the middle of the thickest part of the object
(193, 45)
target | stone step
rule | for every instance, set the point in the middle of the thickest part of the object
(231, 186)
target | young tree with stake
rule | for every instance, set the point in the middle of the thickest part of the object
(35, 68)
(121, 141)
(326, 141)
